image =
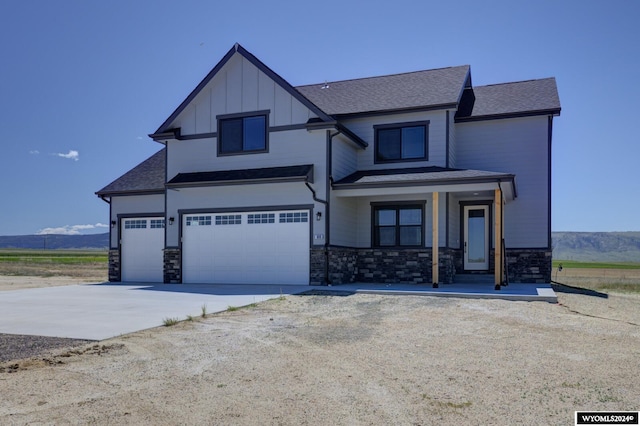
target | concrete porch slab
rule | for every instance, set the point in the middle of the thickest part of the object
(515, 291)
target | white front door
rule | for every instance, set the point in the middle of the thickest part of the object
(476, 238)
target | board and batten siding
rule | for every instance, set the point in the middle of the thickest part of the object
(363, 127)
(518, 146)
(238, 87)
(139, 205)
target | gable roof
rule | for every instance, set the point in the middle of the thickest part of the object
(520, 98)
(237, 48)
(414, 90)
(147, 177)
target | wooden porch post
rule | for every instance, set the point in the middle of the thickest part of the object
(434, 243)
(499, 269)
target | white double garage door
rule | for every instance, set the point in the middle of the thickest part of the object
(269, 247)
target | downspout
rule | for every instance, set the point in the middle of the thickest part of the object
(326, 230)
(503, 267)
(327, 214)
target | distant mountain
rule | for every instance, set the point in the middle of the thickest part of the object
(596, 246)
(54, 241)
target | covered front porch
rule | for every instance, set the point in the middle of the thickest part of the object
(463, 224)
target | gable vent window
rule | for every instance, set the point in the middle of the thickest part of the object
(242, 134)
(402, 142)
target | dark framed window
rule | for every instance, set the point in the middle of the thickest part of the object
(398, 225)
(402, 142)
(243, 133)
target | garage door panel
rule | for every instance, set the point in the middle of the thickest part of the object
(249, 248)
(142, 243)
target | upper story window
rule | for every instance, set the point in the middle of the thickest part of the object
(402, 142)
(243, 133)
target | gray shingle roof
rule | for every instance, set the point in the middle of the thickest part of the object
(515, 98)
(390, 92)
(237, 176)
(417, 175)
(148, 176)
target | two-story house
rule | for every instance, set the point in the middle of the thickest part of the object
(409, 178)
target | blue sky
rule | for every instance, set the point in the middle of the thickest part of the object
(82, 83)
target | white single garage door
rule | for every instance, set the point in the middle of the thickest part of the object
(246, 248)
(141, 249)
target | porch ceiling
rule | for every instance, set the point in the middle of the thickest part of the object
(424, 180)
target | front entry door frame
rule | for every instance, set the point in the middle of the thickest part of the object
(475, 264)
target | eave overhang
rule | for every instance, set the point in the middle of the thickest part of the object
(301, 173)
(554, 112)
(334, 125)
(421, 180)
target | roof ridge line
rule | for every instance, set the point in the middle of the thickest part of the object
(515, 82)
(381, 76)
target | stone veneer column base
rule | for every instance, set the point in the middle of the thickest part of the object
(114, 265)
(317, 266)
(380, 265)
(172, 266)
(529, 265)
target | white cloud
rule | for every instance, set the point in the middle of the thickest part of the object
(34, 152)
(72, 155)
(70, 229)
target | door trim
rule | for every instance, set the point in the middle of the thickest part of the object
(465, 207)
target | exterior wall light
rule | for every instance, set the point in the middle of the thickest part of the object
(318, 215)
(171, 219)
(113, 223)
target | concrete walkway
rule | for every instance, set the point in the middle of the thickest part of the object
(101, 311)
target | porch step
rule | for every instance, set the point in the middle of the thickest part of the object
(474, 279)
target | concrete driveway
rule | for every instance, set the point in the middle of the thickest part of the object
(101, 311)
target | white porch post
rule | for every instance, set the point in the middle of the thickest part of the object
(499, 267)
(434, 243)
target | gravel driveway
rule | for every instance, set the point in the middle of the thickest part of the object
(358, 359)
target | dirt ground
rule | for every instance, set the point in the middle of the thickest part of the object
(356, 359)
(24, 282)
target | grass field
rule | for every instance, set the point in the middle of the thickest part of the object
(600, 276)
(90, 264)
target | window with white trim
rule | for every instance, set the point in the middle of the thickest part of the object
(135, 224)
(255, 218)
(198, 220)
(294, 217)
(229, 219)
(157, 223)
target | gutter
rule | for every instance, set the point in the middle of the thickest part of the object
(327, 214)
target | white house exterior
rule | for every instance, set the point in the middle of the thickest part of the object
(411, 178)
